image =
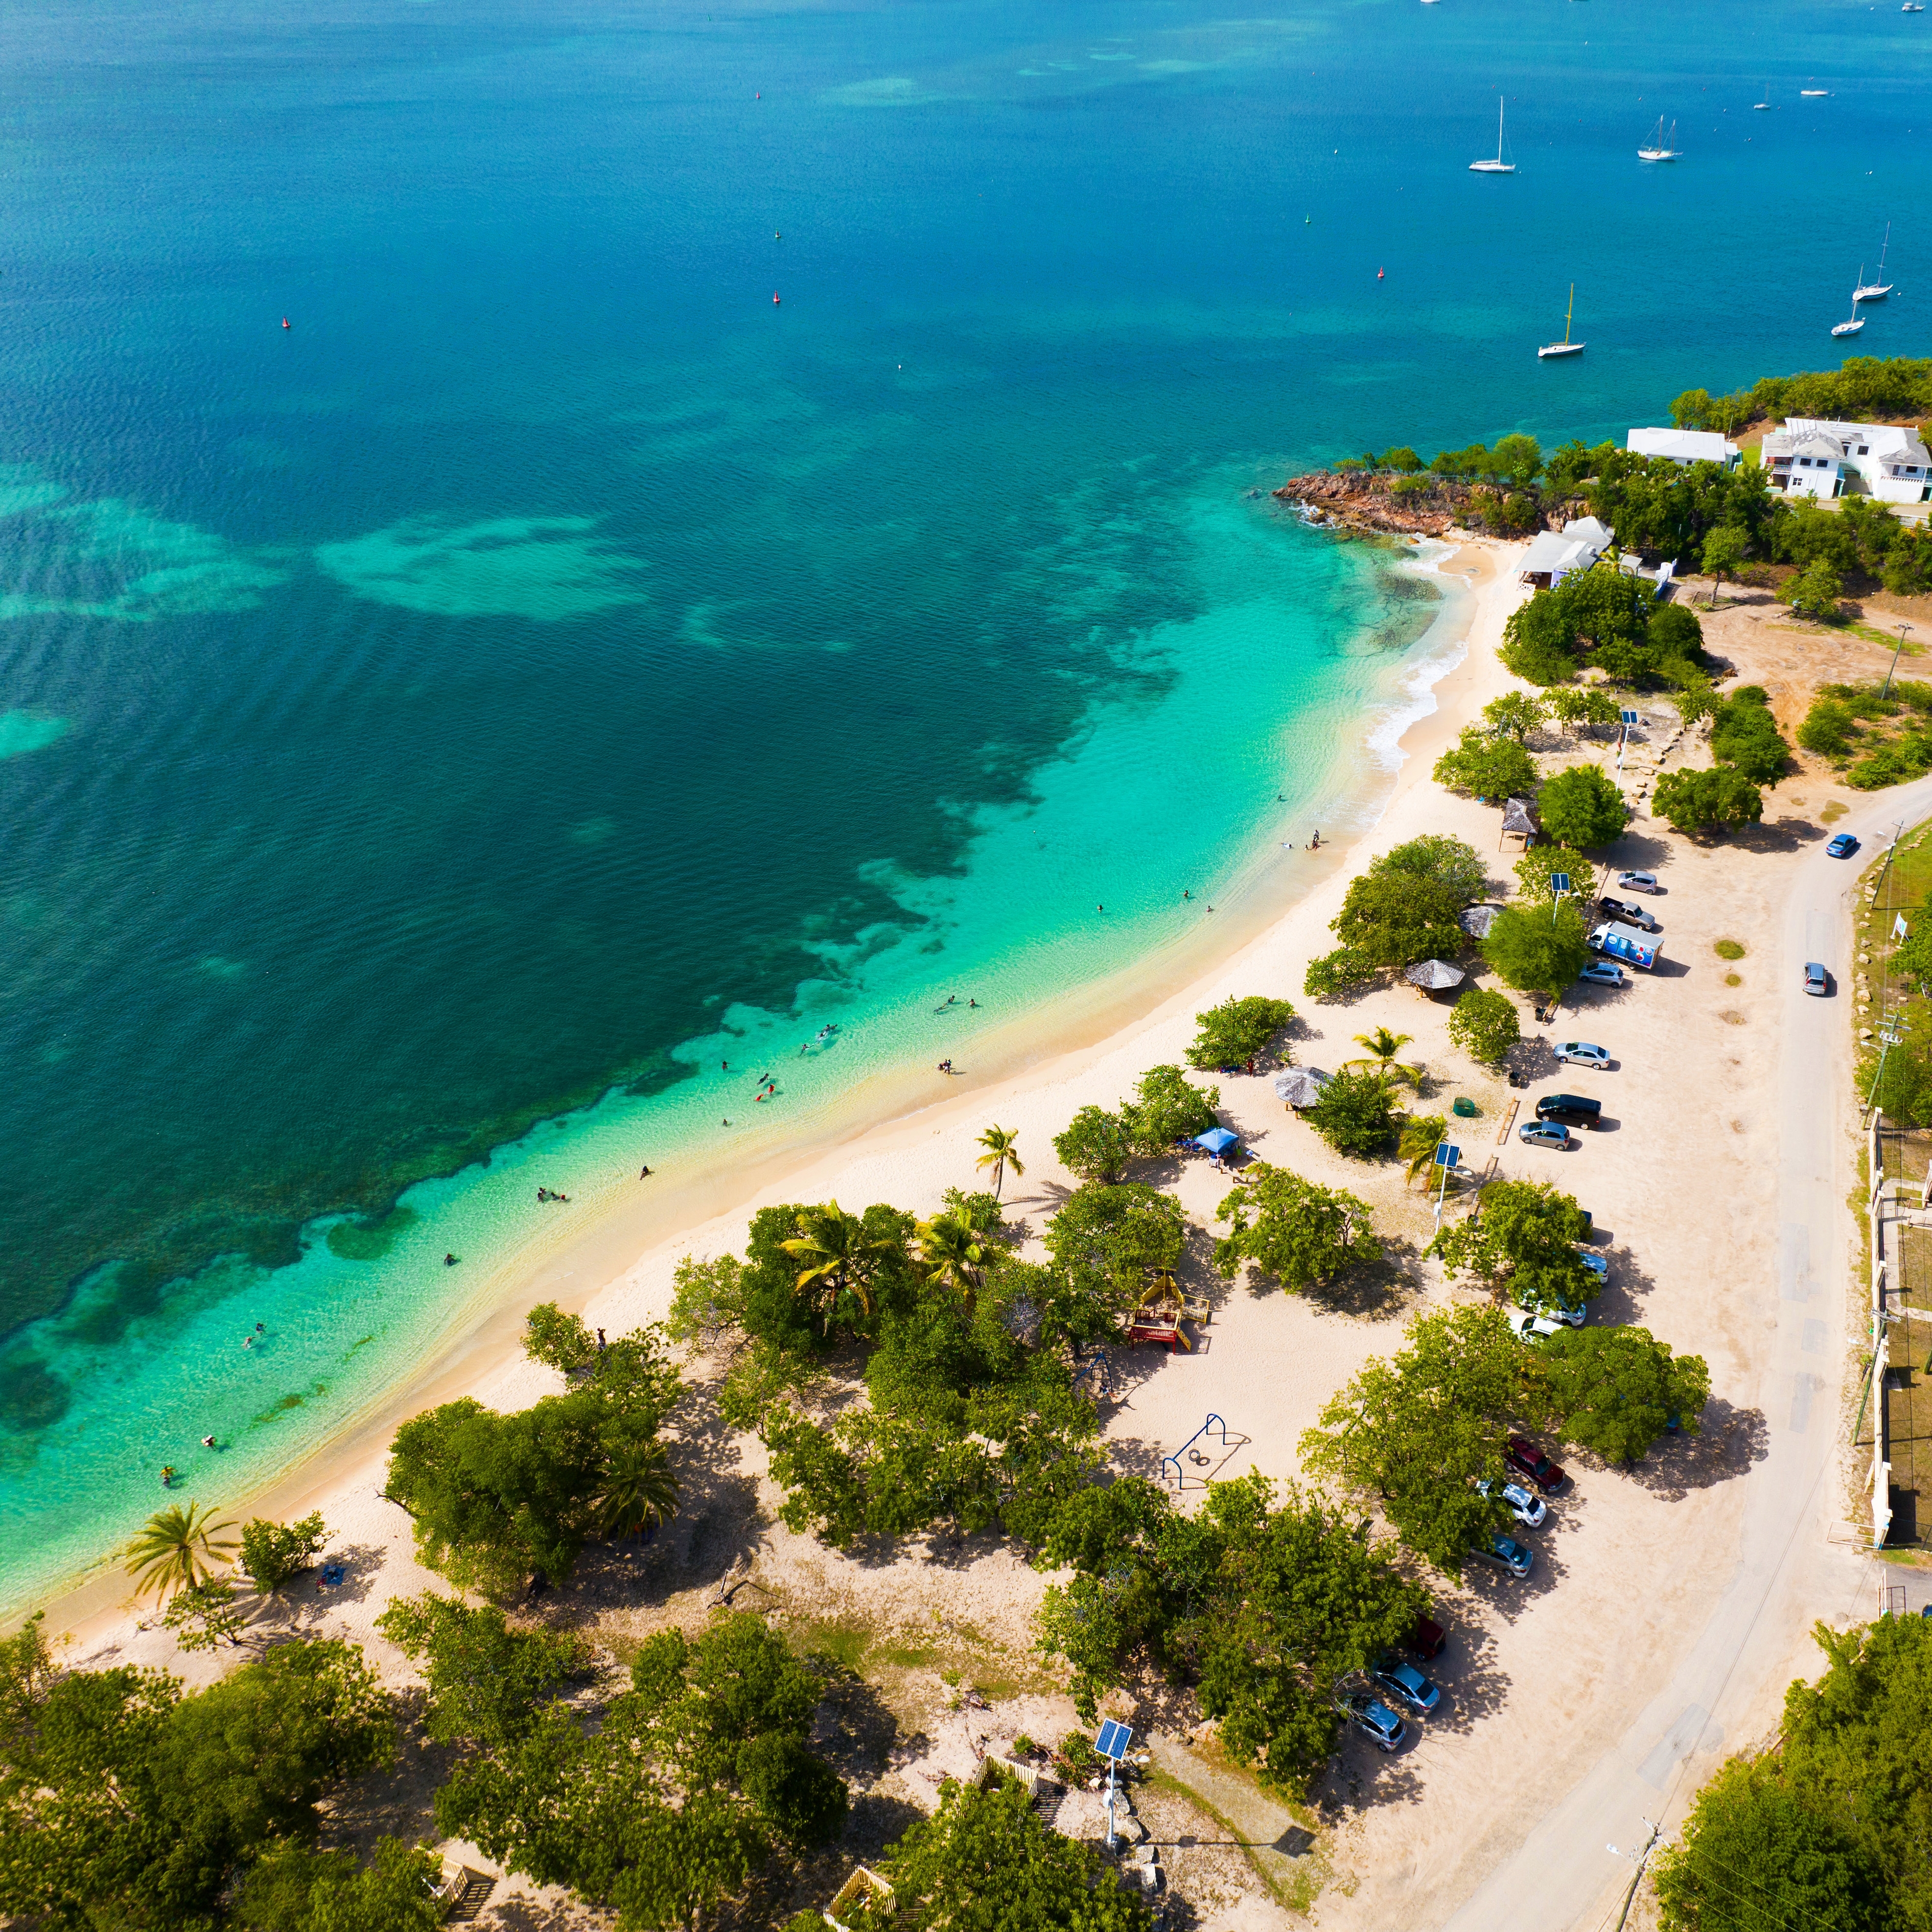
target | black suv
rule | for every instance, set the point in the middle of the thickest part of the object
(1574, 1110)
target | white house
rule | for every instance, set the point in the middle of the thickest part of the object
(1550, 558)
(1683, 446)
(1887, 460)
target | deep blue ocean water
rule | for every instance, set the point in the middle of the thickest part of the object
(548, 667)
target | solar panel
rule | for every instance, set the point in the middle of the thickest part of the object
(1114, 1740)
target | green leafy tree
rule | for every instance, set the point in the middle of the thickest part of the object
(1167, 1108)
(204, 1615)
(560, 1341)
(708, 1299)
(1401, 459)
(638, 1490)
(1582, 807)
(124, 1803)
(1521, 1241)
(1725, 549)
(1335, 975)
(1301, 1233)
(1096, 1145)
(986, 1859)
(1454, 865)
(1515, 715)
(1614, 1390)
(1575, 707)
(691, 1778)
(1356, 1115)
(1697, 801)
(1695, 701)
(1540, 645)
(1535, 951)
(1485, 1025)
(488, 1684)
(1828, 1828)
(296, 1889)
(1106, 1242)
(1541, 863)
(1394, 918)
(1238, 1030)
(838, 1258)
(1746, 735)
(272, 1552)
(1486, 766)
(1414, 1435)
(1002, 1151)
(953, 1252)
(178, 1549)
(1815, 591)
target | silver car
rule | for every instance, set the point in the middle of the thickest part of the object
(1528, 1509)
(1640, 882)
(1581, 1053)
(1817, 981)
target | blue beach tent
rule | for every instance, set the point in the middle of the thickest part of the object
(1217, 1140)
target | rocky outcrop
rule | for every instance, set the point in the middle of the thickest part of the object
(1370, 502)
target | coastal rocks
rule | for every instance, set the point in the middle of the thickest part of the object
(1363, 503)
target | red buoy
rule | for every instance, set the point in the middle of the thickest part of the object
(1379, 274)
(285, 321)
(775, 298)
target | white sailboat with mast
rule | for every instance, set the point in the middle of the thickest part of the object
(1566, 347)
(1878, 288)
(1499, 165)
(1857, 321)
(1660, 149)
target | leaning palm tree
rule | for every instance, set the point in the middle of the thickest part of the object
(833, 1255)
(638, 1488)
(1421, 1136)
(1001, 1153)
(1383, 1046)
(178, 1549)
(953, 1255)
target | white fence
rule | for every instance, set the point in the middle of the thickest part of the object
(1881, 1478)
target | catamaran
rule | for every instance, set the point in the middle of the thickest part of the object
(1566, 347)
(1857, 321)
(1877, 290)
(1660, 149)
(1499, 165)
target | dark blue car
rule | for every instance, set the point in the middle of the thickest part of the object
(1842, 847)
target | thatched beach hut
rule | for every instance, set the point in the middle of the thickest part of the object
(1520, 822)
(1476, 920)
(1300, 1086)
(1433, 976)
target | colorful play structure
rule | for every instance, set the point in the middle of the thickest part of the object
(1161, 1309)
(1187, 1453)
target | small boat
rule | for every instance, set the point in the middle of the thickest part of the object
(1857, 321)
(1566, 347)
(1499, 165)
(1761, 106)
(1911, 6)
(1813, 94)
(1878, 288)
(1660, 149)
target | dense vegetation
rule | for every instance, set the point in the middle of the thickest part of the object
(1829, 1826)
(1237, 1031)
(1868, 388)
(1876, 736)
(1403, 908)
(1262, 1606)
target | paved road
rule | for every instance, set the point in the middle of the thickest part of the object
(1788, 1573)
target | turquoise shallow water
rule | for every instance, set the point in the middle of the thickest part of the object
(548, 667)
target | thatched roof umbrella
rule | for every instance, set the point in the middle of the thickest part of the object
(1519, 821)
(1433, 976)
(1300, 1086)
(1476, 920)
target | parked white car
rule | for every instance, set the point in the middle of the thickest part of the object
(1639, 882)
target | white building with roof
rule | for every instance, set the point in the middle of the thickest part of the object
(1552, 557)
(1684, 446)
(1807, 457)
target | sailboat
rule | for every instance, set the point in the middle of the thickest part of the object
(1857, 321)
(1499, 165)
(1761, 107)
(1660, 149)
(1878, 289)
(1566, 347)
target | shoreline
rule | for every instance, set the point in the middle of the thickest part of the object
(612, 1260)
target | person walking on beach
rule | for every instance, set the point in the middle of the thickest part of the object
(643, 1174)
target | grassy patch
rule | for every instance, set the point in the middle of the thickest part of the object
(846, 1643)
(903, 1657)
(1295, 1898)
(1834, 810)
(1729, 949)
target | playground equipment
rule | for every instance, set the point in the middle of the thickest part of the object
(1163, 1306)
(1101, 1369)
(1187, 1453)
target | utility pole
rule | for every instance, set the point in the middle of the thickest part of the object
(1640, 1860)
(1901, 629)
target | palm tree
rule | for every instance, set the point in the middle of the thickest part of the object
(834, 1255)
(638, 1487)
(1383, 1046)
(1001, 1153)
(1421, 1136)
(953, 1254)
(178, 1549)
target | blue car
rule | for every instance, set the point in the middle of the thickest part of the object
(1842, 847)
(1513, 1556)
(1544, 1133)
(1405, 1683)
(1374, 1719)
(1595, 1263)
